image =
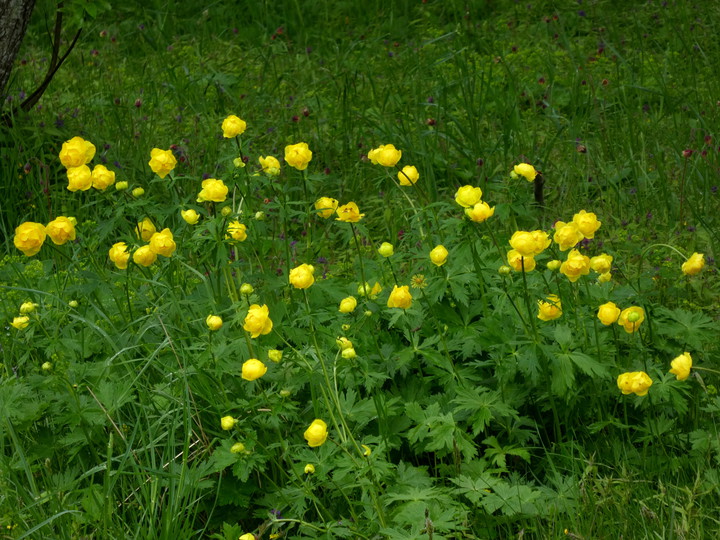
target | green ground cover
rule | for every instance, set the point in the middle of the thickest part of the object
(215, 379)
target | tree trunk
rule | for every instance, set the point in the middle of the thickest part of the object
(14, 17)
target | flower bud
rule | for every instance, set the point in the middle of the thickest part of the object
(226, 211)
(504, 270)
(285, 393)
(275, 355)
(237, 448)
(309, 468)
(386, 249)
(633, 317)
(260, 216)
(227, 422)
(47, 366)
(122, 185)
(138, 192)
(27, 307)
(246, 289)
(554, 264)
(73, 303)
(214, 322)
(349, 353)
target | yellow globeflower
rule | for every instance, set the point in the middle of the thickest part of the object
(301, 277)
(27, 307)
(29, 237)
(76, 152)
(275, 355)
(214, 322)
(102, 178)
(237, 231)
(79, 178)
(526, 170)
(348, 305)
(386, 249)
(257, 321)
(400, 297)
(119, 255)
(21, 323)
(190, 216)
(631, 318)
(60, 230)
(694, 264)
(316, 434)
(212, 190)
(575, 265)
(163, 243)
(635, 382)
(408, 176)
(468, 196)
(601, 263)
(519, 263)
(567, 235)
(439, 255)
(587, 222)
(524, 243)
(144, 256)
(162, 161)
(270, 165)
(480, 211)
(550, 310)
(309, 468)
(298, 155)
(145, 229)
(681, 365)
(608, 313)
(386, 155)
(325, 207)
(233, 126)
(227, 422)
(349, 213)
(253, 369)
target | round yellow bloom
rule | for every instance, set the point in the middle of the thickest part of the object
(138, 192)
(119, 255)
(608, 313)
(102, 178)
(301, 277)
(681, 365)
(122, 185)
(253, 369)
(480, 211)
(386, 155)
(316, 434)
(237, 448)
(237, 231)
(587, 222)
(630, 318)
(386, 249)
(542, 241)
(408, 176)
(162, 161)
(29, 237)
(225, 211)
(246, 289)
(349, 213)
(526, 170)
(309, 468)
(349, 353)
(575, 265)
(344, 343)
(468, 196)
(257, 321)
(519, 263)
(567, 235)
(275, 355)
(326, 207)
(247, 536)
(145, 229)
(524, 243)
(550, 310)
(604, 278)
(76, 152)
(227, 422)
(163, 243)
(553, 265)
(212, 190)
(79, 178)
(694, 264)
(348, 305)
(190, 216)
(270, 165)
(298, 155)
(144, 256)
(635, 382)
(214, 322)
(60, 230)
(233, 126)
(601, 263)
(400, 297)
(21, 323)
(27, 307)
(365, 290)
(439, 255)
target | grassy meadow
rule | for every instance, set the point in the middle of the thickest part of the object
(423, 269)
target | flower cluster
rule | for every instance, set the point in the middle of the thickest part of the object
(30, 236)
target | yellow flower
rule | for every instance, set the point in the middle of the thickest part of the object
(386, 155)
(122, 185)
(246, 289)
(608, 313)
(548, 311)
(298, 155)
(29, 237)
(601, 264)
(349, 213)
(344, 343)
(694, 264)
(138, 192)
(316, 434)
(270, 165)
(214, 322)
(519, 263)
(102, 178)
(237, 231)
(227, 422)
(60, 230)
(144, 256)
(371, 293)
(247, 536)
(309, 468)
(163, 243)
(400, 297)
(553, 265)
(524, 243)
(325, 207)
(145, 229)
(301, 277)
(408, 176)
(542, 241)
(480, 212)
(162, 161)
(190, 216)
(233, 126)
(567, 235)
(257, 321)
(119, 254)
(604, 278)
(212, 190)
(681, 366)
(366, 450)
(348, 354)
(417, 281)
(253, 369)
(27, 307)
(237, 448)
(630, 318)
(348, 305)
(587, 222)
(635, 382)
(21, 322)
(575, 265)
(386, 249)
(439, 255)
(468, 196)
(275, 355)
(526, 170)
(79, 178)
(76, 152)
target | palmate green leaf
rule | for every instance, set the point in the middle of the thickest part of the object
(497, 453)
(475, 489)
(433, 428)
(691, 329)
(480, 406)
(513, 500)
